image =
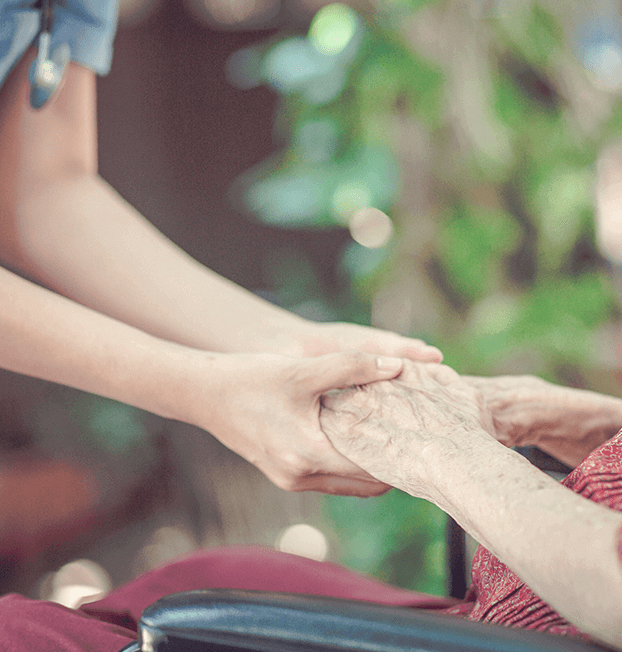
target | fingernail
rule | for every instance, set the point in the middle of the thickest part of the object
(389, 364)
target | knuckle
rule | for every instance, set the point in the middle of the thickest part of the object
(295, 374)
(446, 375)
(349, 406)
(357, 359)
(412, 370)
(295, 465)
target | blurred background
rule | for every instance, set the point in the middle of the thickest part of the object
(253, 133)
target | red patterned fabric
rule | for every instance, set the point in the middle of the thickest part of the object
(497, 595)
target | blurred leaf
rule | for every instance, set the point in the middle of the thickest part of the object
(511, 105)
(317, 139)
(561, 202)
(533, 30)
(391, 12)
(560, 314)
(381, 528)
(359, 261)
(294, 199)
(325, 194)
(290, 64)
(546, 34)
(390, 73)
(471, 243)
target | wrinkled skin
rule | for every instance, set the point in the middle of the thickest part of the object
(565, 422)
(394, 429)
(515, 403)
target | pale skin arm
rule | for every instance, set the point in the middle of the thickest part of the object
(54, 338)
(427, 433)
(65, 227)
(152, 312)
(567, 423)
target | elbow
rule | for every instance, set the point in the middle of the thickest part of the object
(40, 149)
(28, 226)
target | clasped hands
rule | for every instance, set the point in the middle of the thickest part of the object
(401, 431)
(283, 411)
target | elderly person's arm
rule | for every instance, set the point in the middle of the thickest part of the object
(427, 433)
(567, 423)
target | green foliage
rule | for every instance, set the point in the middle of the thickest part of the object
(112, 426)
(397, 538)
(484, 141)
(310, 193)
(88, 426)
(472, 245)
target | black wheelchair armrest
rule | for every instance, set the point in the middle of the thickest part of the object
(226, 620)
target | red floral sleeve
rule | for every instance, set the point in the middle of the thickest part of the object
(599, 476)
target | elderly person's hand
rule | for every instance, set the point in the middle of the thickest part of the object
(431, 433)
(397, 429)
(566, 423)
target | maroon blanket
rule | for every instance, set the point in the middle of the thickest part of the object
(496, 594)
(107, 625)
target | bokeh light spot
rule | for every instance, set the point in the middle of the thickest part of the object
(371, 228)
(235, 13)
(604, 61)
(290, 64)
(167, 542)
(332, 28)
(303, 540)
(79, 582)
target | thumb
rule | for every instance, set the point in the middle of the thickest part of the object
(338, 370)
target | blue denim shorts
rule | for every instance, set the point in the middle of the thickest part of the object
(87, 26)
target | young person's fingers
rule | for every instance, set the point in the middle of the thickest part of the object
(339, 370)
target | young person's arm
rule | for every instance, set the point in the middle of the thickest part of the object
(66, 228)
(263, 406)
(149, 312)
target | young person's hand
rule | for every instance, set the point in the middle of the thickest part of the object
(320, 338)
(266, 408)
